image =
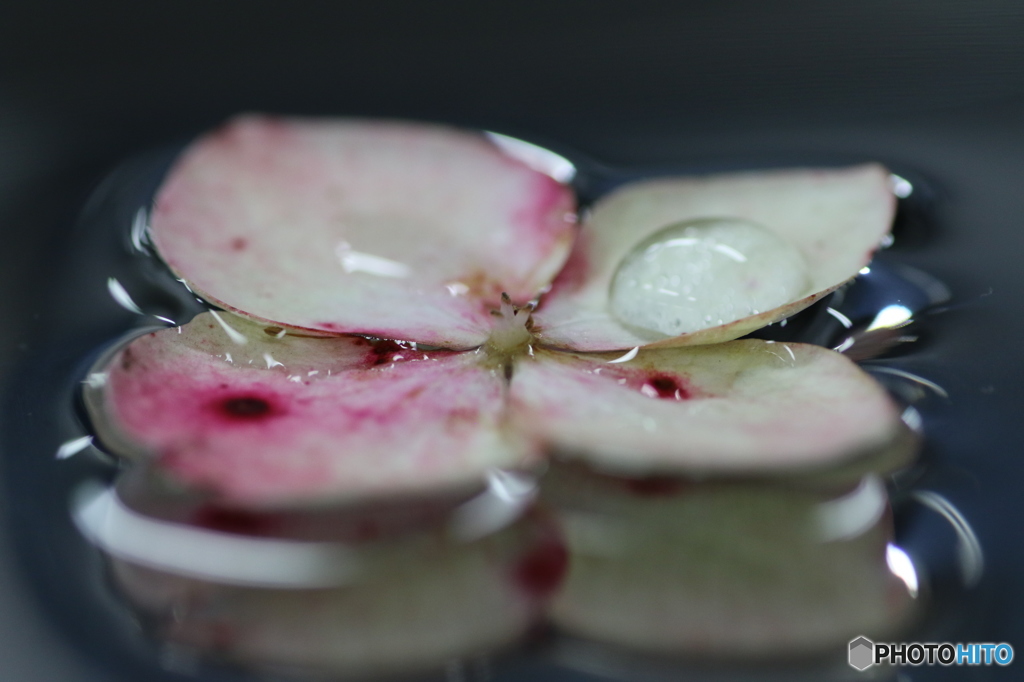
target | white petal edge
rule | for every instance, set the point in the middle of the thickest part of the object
(835, 217)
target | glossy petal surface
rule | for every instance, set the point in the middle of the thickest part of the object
(745, 406)
(396, 230)
(393, 421)
(834, 217)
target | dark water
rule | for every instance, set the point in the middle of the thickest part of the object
(87, 598)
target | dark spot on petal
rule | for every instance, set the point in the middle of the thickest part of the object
(655, 384)
(245, 407)
(541, 571)
(366, 530)
(384, 351)
(221, 636)
(235, 521)
(239, 244)
(665, 386)
(127, 359)
(654, 486)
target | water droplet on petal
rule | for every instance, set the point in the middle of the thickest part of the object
(697, 274)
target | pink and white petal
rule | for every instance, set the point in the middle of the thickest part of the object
(834, 218)
(400, 421)
(241, 341)
(745, 406)
(395, 230)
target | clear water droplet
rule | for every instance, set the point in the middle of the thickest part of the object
(701, 273)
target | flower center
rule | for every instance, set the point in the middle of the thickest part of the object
(512, 333)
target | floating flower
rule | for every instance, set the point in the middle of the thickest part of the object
(410, 306)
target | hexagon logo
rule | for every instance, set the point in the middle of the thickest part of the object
(862, 653)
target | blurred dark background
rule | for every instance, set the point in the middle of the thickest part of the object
(934, 87)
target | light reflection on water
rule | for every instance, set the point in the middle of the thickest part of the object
(972, 559)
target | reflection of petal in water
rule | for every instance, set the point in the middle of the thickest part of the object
(727, 568)
(972, 559)
(594, 534)
(396, 603)
(408, 616)
(209, 555)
